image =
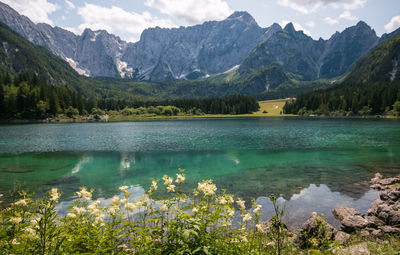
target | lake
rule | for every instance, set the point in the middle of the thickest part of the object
(311, 164)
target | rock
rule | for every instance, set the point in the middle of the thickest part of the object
(317, 227)
(341, 237)
(358, 249)
(350, 218)
(377, 232)
(373, 210)
(389, 229)
(374, 221)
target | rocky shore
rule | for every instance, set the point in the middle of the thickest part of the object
(382, 218)
(384, 215)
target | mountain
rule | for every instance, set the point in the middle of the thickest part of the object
(203, 50)
(161, 54)
(382, 64)
(313, 59)
(372, 87)
(200, 51)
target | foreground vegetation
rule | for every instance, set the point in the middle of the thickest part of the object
(208, 221)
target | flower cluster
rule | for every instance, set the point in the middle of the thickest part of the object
(207, 188)
(54, 195)
(84, 193)
(168, 182)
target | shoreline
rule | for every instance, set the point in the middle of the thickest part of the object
(206, 116)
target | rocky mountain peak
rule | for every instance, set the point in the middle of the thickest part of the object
(242, 15)
(290, 28)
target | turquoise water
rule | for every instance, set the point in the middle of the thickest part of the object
(312, 164)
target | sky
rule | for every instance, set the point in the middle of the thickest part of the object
(128, 18)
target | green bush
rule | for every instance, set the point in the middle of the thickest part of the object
(201, 223)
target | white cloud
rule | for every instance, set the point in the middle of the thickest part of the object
(116, 19)
(308, 6)
(37, 10)
(393, 24)
(297, 26)
(331, 21)
(192, 11)
(70, 4)
(310, 24)
(346, 15)
(73, 30)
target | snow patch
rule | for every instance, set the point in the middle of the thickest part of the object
(233, 68)
(95, 34)
(123, 69)
(80, 71)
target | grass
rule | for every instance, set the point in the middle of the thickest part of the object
(268, 108)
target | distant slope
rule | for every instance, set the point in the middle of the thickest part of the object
(372, 87)
(382, 64)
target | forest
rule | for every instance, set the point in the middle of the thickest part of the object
(359, 99)
(25, 96)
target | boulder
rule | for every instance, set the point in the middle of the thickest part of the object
(350, 218)
(341, 237)
(389, 229)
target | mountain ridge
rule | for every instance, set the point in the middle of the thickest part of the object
(194, 52)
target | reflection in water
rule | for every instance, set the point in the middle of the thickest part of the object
(77, 168)
(318, 199)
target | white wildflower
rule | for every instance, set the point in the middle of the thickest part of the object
(54, 195)
(139, 204)
(153, 186)
(78, 210)
(240, 203)
(130, 206)
(123, 201)
(93, 205)
(206, 187)
(230, 198)
(115, 200)
(16, 220)
(171, 188)
(222, 200)
(231, 213)
(167, 180)
(113, 209)
(260, 228)
(84, 194)
(71, 215)
(164, 208)
(195, 210)
(21, 202)
(29, 231)
(123, 188)
(257, 209)
(15, 242)
(1, 195)
(247, 217)
(180, 178)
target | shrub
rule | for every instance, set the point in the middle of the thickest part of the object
(201, 223)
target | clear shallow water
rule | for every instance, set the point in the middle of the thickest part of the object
(313, 164)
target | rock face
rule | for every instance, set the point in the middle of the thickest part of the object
(199, 51)
(313, 59)
(384, 214)
(211, 48)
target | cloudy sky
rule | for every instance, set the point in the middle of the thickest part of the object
(128, 18)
